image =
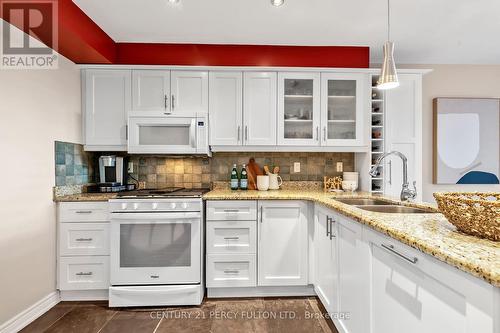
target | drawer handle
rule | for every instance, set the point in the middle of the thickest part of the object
(154, 276)
(231, 238)
(231, 210)
(84, 274)
(231, 271)
(83, 212)
(391, 249)
(83, 239)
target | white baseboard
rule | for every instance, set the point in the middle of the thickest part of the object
(261, 291)
(24, 318)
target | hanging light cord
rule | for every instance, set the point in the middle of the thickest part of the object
(388, 20)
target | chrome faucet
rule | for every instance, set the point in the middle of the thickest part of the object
(406, 192)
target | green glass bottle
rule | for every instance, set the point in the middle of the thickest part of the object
(244, 178)
(234, 178)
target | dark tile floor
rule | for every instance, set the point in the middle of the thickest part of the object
(290, 315)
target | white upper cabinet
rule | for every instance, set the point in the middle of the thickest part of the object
(226, 108)
(106, 104)
(298, 109)
(282, 243)
(189, 92)
(343, 109)
(150, 92)
(404, 133)
(259, 108)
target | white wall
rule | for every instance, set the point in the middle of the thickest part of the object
(36, 108)
(453, 81)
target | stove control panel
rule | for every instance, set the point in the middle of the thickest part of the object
(155, 205)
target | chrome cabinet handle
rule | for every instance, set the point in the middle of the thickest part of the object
(246, 133)
(231, 238)
(390, 248)
(317, 133)
(154, 276)
(239, 132)
(83, 239)
(166, 101)
(231, 210)
(327, 224)
(83, 212)
(390, 172)
(261, 213)
(231, 271)
(126, 132)
(173, 102)
(84, 274)
(324, 133)
(332, 221)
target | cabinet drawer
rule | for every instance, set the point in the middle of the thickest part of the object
(83, 212)
(231, 270)
(232, 210)
(81, 273)
(231, 236)
(84, 239)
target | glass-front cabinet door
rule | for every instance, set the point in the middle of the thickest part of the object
(299, 109)
(342, 109)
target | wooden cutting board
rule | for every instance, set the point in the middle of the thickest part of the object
(253, 170)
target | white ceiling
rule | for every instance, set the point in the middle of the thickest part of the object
(425, 31)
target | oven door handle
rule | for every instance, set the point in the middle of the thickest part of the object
(147, 217)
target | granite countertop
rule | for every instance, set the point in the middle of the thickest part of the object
(85, 197)
(431, 234)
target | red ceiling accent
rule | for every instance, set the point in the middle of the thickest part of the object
(84, 42)
(242, 55)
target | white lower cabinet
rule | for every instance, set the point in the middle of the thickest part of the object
(326, 262)
(282, 243)
(231, 270)
(83, 250)
(413, 292)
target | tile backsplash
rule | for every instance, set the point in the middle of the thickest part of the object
(74, 166)
(197, 172)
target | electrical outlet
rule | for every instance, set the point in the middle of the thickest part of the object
(340, 167)
(296, 167)
(130, 168)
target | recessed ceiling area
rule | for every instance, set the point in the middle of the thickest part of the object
(424, 31)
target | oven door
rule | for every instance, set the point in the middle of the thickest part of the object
(155, 248)
(157, 135)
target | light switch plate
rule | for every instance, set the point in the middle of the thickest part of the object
(296, 167)
(130, 168)
(340, 167)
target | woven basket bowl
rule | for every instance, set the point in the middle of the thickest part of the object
(473, 213)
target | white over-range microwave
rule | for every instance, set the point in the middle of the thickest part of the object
(168, 134)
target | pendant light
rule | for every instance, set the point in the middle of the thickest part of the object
(388, 76)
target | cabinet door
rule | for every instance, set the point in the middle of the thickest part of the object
(226, 108)
(298, 109)
(150, 92)
(189, 92)
(353, 289)
(404, 133)
(107, 101)
(259, 108)
(283, 245)
(326, 267)
(344, 107)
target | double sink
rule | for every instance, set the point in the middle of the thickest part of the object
(381, 206)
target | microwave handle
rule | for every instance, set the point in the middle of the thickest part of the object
(192, 133)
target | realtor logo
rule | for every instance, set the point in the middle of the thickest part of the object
(29, 34)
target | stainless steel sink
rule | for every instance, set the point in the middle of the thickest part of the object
(362, 201)
(391, 209)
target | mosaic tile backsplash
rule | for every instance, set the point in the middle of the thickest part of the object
(196, 172)
(73, 165)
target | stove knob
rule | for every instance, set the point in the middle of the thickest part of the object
(124, 205)
(173, 205)
(155, 205)
(136, 206)
(184, 205)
